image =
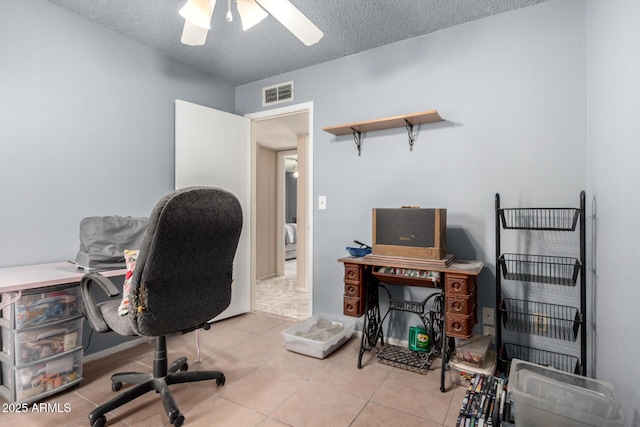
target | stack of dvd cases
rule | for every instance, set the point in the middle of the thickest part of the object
(483, 401)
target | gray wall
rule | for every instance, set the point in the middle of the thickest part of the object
(613, 153)
(512, 91)
(86, 127)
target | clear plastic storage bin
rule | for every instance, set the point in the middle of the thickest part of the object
(307, 338)
(462, 373)
(39, 308)
(473, 350)
(24, 346)
(34, 381)
(548, 397)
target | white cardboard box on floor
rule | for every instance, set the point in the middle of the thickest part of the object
(311, 347)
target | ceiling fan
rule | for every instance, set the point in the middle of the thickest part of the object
(197, 19)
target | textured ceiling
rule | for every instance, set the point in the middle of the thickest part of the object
(268, 49)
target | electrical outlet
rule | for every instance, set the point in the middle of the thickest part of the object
(487, 316)
(490, 330)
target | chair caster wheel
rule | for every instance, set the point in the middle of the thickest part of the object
(177, 420)
(116, 386)
(184, 367)
(99, 422)
(220, 381)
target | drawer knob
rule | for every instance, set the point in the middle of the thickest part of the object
(457, 306)
(457, 326)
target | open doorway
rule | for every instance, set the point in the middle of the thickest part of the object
(282, 215)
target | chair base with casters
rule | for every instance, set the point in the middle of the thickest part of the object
(163, 376)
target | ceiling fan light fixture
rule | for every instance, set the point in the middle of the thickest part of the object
(198, 12)
(294, 20)
(193, 35)
(250, 13)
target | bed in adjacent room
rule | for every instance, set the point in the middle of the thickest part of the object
(290, 238)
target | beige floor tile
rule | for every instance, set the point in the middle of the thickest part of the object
(454, 408)
(266, 385)
(96, 387)
(254, 323)
(263, 390)
(270, 422)
(375, 415)
(231, 366)
(276, 331)
(319, 405)
(414, 395)
(341, 374)
(300, 365)
(219, 412)
(259, 349)
(150, 405)
(63, 409)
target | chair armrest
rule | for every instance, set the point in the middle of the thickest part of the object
(94, 317)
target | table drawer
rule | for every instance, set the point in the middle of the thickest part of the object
(353, 306)
(353, 290)
(459, 326)
(460, 305)
(352, 272)
(459, 285)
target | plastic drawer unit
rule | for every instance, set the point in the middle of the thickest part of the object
(34, 381)
(39, 307)
(24, 346)
(41, 343)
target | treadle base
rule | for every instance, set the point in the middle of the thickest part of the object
(409, 306)
(403, 358)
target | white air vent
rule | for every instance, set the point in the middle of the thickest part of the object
(282, 92)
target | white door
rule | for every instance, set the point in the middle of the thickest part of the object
(213, 148)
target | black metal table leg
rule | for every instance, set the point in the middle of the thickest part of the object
(372, 323)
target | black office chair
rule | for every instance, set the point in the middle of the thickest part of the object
(182, 280)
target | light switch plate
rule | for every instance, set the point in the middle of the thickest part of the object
(322, 202)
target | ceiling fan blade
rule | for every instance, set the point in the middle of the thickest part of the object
(293, 20)
(250, 13)
(194, 34)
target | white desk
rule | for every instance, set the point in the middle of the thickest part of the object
(18, 279)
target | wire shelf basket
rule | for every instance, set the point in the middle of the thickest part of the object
(559, 219)
(536, 318)
(555, 270)
(562, 362)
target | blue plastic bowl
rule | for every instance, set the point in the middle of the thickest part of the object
(358, 251)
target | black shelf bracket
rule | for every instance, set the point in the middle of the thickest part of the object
(357, 138)
(412, 136)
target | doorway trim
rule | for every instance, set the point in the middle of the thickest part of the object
(308, 261)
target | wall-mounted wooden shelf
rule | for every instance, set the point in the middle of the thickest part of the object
(407, 120)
